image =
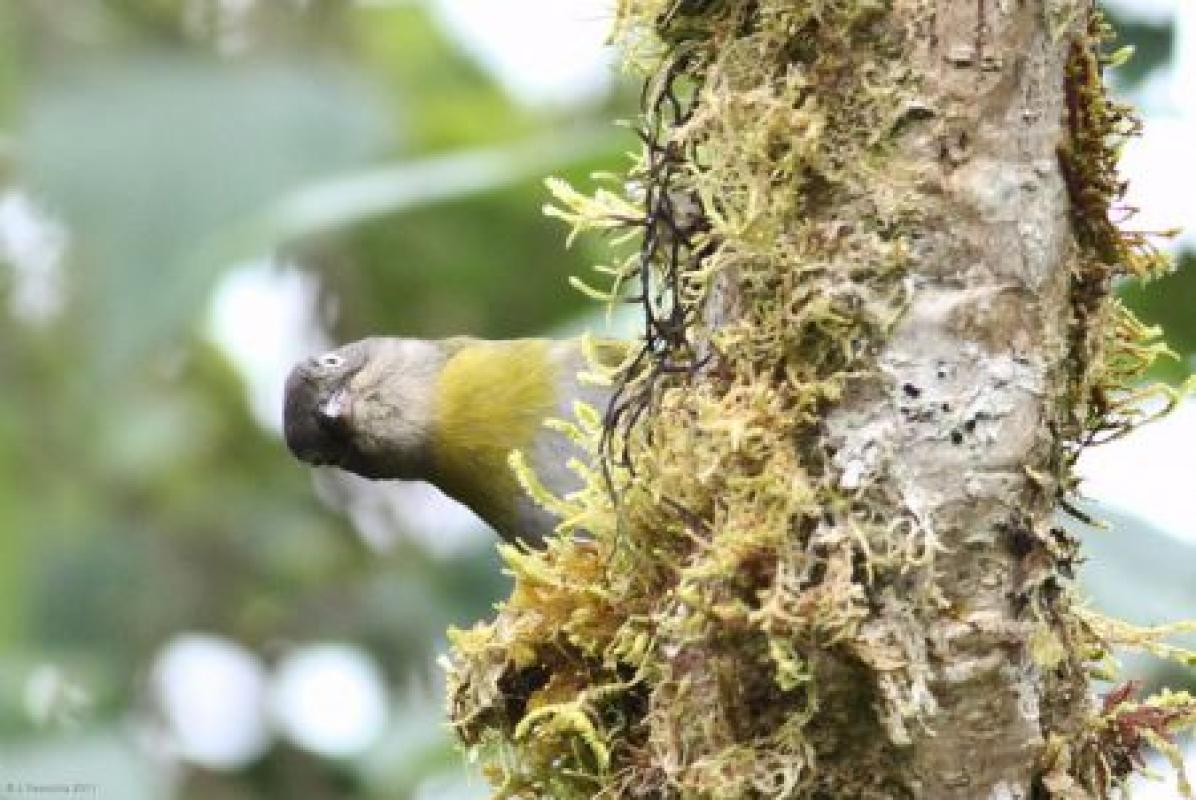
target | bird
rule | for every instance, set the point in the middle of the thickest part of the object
(449, 412)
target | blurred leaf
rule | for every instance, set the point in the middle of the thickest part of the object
(1153, 47)
(11, 43)
(451, 103)
(1169, 302)
(489, 264)
(359, 198)
(150, 159)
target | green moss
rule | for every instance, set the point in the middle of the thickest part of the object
(1107, 398)
(672, 649)
(1113, 349)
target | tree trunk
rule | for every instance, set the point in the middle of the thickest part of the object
(961, 420)
(875, 270)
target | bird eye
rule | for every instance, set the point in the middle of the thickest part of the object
(330, 360)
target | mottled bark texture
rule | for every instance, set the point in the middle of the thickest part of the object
(875, 266)
(963, 416)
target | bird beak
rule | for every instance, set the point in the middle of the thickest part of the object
(334, 411)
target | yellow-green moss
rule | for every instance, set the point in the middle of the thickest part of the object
(1111, 352)
(1113, 345)
(668, 650)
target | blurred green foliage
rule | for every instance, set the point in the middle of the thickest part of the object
(1170, 302)
(139, 496)
(179, 149)
(1152, 43)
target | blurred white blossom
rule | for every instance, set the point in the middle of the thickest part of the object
(32, 244)
(211, 693)
(330, 699)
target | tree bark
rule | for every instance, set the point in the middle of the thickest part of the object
(962, 419)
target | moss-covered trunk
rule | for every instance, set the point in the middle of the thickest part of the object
(875, 267)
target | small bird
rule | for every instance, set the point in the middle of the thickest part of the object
(447, 411)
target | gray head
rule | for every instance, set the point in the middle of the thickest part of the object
(364, 407)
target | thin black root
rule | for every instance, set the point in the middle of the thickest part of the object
(669, 253)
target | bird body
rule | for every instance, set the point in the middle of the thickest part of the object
(446, 411)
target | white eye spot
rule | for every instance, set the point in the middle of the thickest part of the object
(330, 360)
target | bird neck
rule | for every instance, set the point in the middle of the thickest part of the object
(492, 398)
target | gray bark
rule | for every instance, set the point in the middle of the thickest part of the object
(960, 422)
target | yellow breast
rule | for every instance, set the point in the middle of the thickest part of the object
(492, 398)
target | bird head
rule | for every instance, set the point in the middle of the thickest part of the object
(365, 407)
